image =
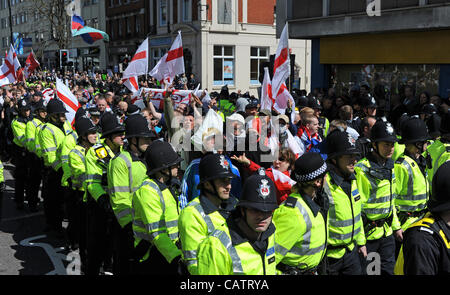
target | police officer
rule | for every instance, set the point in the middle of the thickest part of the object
(376, 184)
(439, 152)
(155, 213)
(126, 172)
(21, 155)
(412, 184)
(245, 245)
(346, 233)
(32, 145)
(75, 206)
(301, 233)
(51, 139)
(426, 245)
(209, 210)
(100, 216)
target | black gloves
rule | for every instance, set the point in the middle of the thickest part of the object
(103, 202)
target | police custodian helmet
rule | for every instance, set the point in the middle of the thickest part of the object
(214, 166)
(440, 198)
(160, 155)
(259, 193)
(340, 143)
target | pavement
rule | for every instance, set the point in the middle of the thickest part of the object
(25, 248)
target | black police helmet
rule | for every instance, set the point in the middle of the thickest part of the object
(259, 193)
(84, 126)
(382, 131)
(369, 101)
(429, 109)
(414, 130)
(23, 105)
(55, 106)
(40, 106)
(440, 198)
(314, 103)
(214, 166)
(302, 102)
(137, 126)
(339, 143)
(308, 167)
(110, 125)
(160, 155)
(93, 111)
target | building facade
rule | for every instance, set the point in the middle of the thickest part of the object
(36, 31)
(382, 42)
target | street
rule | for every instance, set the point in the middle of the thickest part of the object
(25, 249)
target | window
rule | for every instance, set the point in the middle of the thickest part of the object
(223, 65)
(258, 55)
(128, 25)
(157, 54)
(224, 12)
(138, 24)
(111, 3)
(119, 28)
(5, 42)
(186, 10)
(162, 12)
(4, 23)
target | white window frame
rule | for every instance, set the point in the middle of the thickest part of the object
(260, 58)
(223, 57)
(166, 4)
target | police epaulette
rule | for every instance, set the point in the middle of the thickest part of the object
(400, 160)
(97, 145)
(290, 202)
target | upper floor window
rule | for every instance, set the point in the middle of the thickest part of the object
(224, 12)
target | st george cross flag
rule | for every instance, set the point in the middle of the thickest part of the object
(9, 68)
(281, 102)
(139, 63)
(282, 64)
(30, 65)
(132, 84)
(48, 93)
(70, 101)
(266, 92)
(172, 63)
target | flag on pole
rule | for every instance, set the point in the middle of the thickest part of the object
(171, 64)
(282, 64)
(48, 94)
(8, 71)
(267, 100)
(132, 84)
(139, 63)
(70, 101)
(30, 64)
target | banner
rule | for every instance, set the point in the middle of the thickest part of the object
(178, 96)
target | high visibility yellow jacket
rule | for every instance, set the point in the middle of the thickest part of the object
(155, 218)
(412, 188)
(18, 126)
(97, 160)
(51, 139)
(2, 177)
(37, 141)
(378, 195)
(70, 141)
(345, 226)
(77, 167)
(399, 149)
(301, 232)
(125, 176)
(436, 154)
(198, 220)
(224, 254)
(30, 134)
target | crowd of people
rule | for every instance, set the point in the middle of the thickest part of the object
(217, 185)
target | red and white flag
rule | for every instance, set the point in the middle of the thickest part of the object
(282, 180)
(30, 65)
(9, 68)
(281, 102)
(132, 84)
(48, 93)
(139, 63)
(70, 101)
(171, 64)
(282, 64)
(266, 92)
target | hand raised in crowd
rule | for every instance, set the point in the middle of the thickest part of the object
(242, 159)
(363, 251)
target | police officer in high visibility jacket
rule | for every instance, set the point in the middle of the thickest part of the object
(21, 155)
(155, 213)
(376, 184)
(32, 128)
(439, 152)
(126, 172)
(245, 245)
(412, 184)
(2, 184)
(301, 233)
(209, 211)
(345, 228)
(100, 217)
(51, 139)
(426, 245)
(76, 229)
